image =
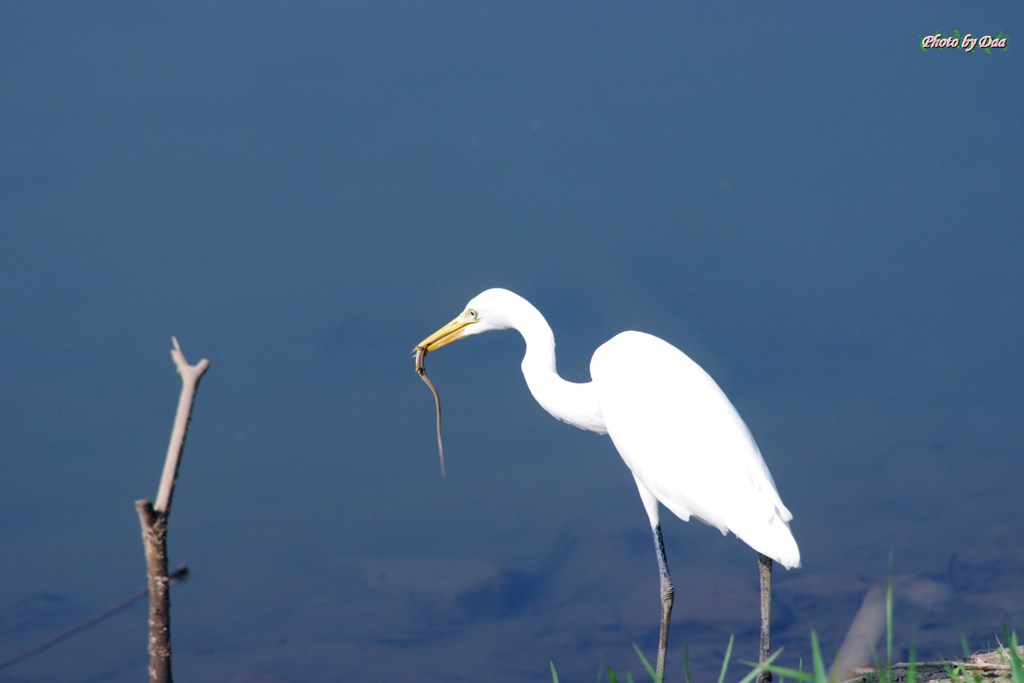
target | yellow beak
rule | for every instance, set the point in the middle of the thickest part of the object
(447, 334)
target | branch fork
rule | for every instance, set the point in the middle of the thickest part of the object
(153, 519)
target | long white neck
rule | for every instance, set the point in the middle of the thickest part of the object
(571, 402)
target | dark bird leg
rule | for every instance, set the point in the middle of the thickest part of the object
(667, 594)
(764, 565)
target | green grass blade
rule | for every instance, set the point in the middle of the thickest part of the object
(647, 664)
(954, 673)
(820, 672)
(725, 662)
(795, 674)
(888, 617)
(912, 663)
(782, 671)
(611, 676)
(554, 674)
(1016, 666)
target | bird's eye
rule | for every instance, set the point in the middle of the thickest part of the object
(472, 313)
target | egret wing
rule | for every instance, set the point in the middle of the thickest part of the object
(686, 444)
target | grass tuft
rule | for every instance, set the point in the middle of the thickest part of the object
(886, 672)
(1016, 666)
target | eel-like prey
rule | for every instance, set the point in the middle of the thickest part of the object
(421, 369)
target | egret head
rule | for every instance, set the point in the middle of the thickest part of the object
(489, 310)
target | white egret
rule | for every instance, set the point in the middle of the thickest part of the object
(685, 444)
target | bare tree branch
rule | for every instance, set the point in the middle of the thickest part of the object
(153, 520)
(154, 540)
(190, 376)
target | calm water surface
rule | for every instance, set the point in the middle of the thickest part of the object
(831, 227)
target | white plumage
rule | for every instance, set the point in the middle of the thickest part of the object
(685, 444)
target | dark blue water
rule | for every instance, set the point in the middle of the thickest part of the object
(827, 218)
